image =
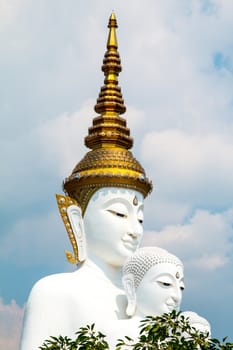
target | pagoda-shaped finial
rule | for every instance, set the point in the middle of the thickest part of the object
(110, 97)
(109, 129)
(112, 38)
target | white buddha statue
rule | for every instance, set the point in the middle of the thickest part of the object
(153, 280)
(103, 216)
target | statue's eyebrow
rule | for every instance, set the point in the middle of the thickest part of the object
(164, 274)
(116, 200)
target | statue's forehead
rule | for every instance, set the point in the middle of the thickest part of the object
(106, 193)
(168, 269)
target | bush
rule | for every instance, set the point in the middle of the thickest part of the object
(167, 332)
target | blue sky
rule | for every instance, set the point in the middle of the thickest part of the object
(177, 82)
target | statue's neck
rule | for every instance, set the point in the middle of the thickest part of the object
(110, 272)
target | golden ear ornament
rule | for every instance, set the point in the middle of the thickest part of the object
(64, 202)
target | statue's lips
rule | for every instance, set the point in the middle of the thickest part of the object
(130, 243)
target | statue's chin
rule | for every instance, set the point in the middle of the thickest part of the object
(114, 258)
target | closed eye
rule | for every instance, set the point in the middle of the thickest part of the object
(121, 215)
(165, 284)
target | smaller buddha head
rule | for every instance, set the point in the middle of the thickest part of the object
(153, 280)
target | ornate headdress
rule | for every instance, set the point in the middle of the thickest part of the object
(109, 163)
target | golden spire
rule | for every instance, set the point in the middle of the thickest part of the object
(110, 97)
(109, 129)
(109, 163)
(112, 39)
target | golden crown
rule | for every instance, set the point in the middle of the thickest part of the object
(109, 163)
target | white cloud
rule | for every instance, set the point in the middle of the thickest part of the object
(211, 262)
(61, 140)
(36, 240)
(9, 10)
(177, 84)
(193, 168)
(161, 211)
(204, 242)
(11, 316)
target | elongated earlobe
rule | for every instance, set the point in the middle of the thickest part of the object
(76, 220)
(128, 283)
(131, 308)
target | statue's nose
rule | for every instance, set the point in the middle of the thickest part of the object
(133, 235)
(135, 230)
(177, 295)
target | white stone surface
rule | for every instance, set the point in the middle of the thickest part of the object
(159, 291)
(60, 304)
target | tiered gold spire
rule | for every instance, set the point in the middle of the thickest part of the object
(109, 129)
(109, 163)
(110, 97)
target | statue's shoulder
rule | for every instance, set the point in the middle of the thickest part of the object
(76, 286)
(58, 284)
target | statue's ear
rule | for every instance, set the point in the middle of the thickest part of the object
(76, 220)
(72, 217)
(129, 286)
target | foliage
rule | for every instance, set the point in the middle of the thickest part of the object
(167, 332)
(87, 339)
(171, 332)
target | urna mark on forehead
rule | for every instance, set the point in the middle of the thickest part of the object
(139, 263)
